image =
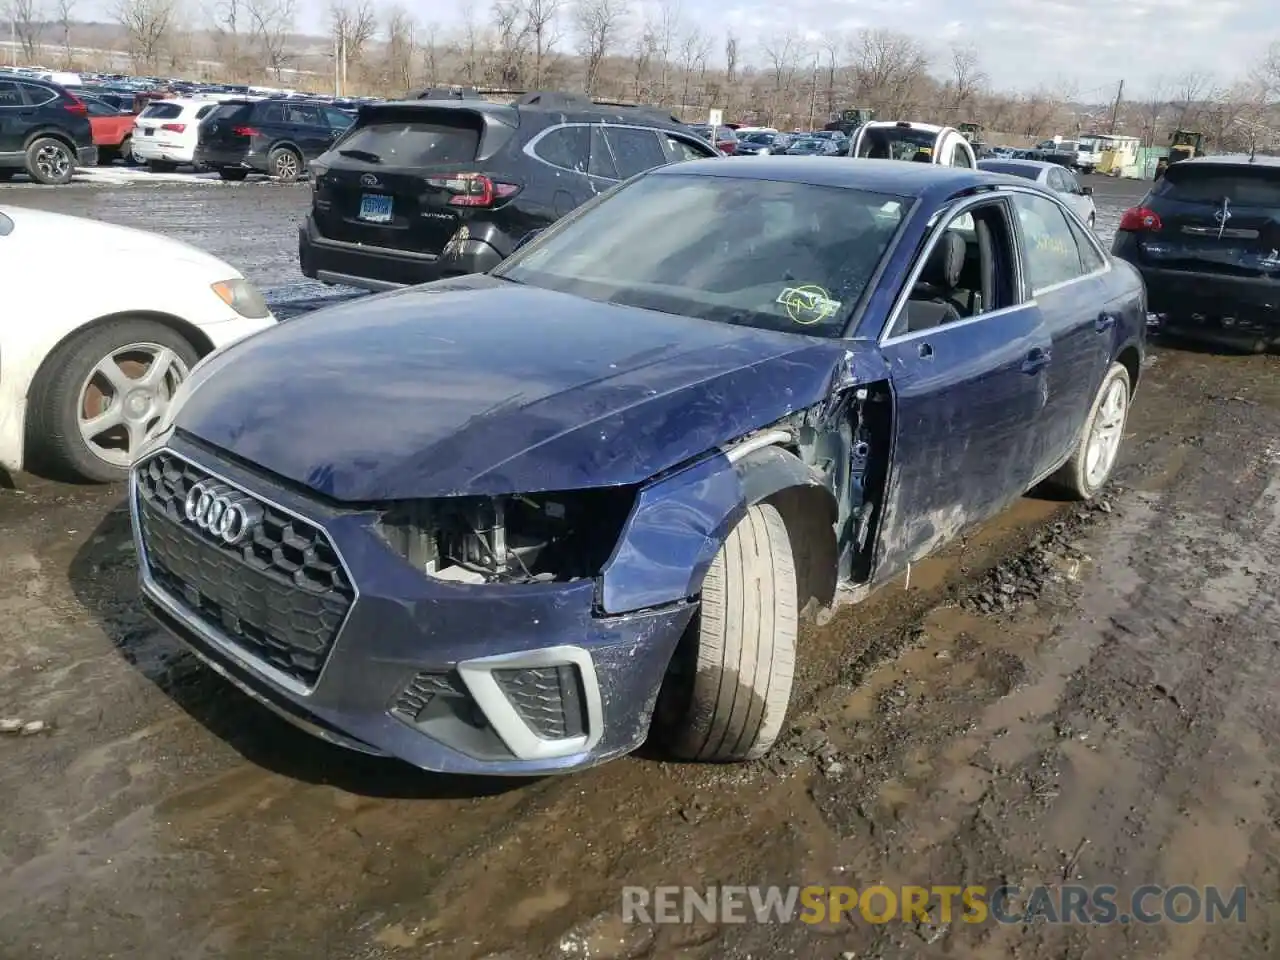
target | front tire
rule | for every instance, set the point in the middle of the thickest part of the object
(726, 697)
(1095, 455)
(101, 392)
(50, 161)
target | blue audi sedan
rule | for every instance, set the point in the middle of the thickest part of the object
(518, 522)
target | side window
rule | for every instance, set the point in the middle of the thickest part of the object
(966, 273)
(681, 149)
(634, 150)
(37, 96)
(337, 119)
(305, 114)
(1057, 181)
(960, 156)
(1090, 258)
(270, 113)
(601, 163)
(566, 147)
(10, 94)
(1049, 246)
(1070, 182)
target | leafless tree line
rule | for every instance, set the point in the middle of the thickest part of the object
(613, 50)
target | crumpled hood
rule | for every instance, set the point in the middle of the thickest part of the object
(480, 386)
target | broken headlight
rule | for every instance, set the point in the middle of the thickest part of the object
(509, 539)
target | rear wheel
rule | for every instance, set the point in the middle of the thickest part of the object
(285, 165)
(1095, 455)
(726, 694)
(50, 161)
(102, 392)
(234, 174)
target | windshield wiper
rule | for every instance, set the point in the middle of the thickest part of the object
(364, 155)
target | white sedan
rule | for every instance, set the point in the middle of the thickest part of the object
(1058, 179)
(90, 356)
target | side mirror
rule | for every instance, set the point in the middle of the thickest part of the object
(1087, 191)
(525, 239)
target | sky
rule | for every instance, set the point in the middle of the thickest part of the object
(1023, 44)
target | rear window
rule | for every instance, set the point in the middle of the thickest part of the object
(1248, 187)
(164, 110)
(412, 143)
(1010, 169)
(230, 111)
(10, 94)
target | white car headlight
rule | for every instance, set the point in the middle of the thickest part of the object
(242, 297)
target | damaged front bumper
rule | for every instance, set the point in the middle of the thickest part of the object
(317, 618)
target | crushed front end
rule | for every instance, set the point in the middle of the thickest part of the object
(461, 635)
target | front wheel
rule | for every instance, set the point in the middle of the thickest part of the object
(50, 161)
(725, 696)
(1091, 463)
(102, 393)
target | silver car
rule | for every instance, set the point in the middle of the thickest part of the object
(1056, 178)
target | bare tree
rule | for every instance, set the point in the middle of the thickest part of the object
(966, 80)
(665, 29)
(889, 69)
(352, 25)
(66, 12)
(730, 58)
(511, 36)
(542, 17)
(401, 49)
(782, 57)
(147, 25)
(431, 53)
(695, 48)
(271, 22)
(1154, 106)
(600, 26)
(25, 19)
(1190, 89)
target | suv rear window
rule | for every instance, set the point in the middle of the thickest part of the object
(1246, 186)
(162, 111)
(412, 143)
(10, 94)
(231, 111)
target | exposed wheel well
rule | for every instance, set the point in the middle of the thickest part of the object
(1132, 362)
(193, 334)
(809, 515)
(51, 135)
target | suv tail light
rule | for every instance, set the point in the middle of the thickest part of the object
(75, 106)
(245, 131)
(474, 189)
(1140, 220)
(174, 127)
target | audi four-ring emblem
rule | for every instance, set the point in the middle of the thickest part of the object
(222, 511)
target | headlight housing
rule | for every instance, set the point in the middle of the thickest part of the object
(542, 537)
(242, 297)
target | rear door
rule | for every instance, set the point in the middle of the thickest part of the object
(1215, 218)
(218, 128)
(12, 106)
(307, 128)
(404, 179)
(634, 149)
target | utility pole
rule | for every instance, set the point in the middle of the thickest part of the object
(344, 64)
(813, 98)
(337, 70)
(1115, 108)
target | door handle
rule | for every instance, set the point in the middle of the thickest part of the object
(1106, 320)
(925, 351)
(1036, 360)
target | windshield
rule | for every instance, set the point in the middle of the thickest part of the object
(896, 143)
(762, 253)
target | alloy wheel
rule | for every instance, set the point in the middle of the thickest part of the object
(1105, 433)
(124, 396)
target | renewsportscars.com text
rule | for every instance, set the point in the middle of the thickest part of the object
(1069, 903)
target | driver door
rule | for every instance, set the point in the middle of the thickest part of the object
(968, 376)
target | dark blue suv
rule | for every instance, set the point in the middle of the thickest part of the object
(514, 522)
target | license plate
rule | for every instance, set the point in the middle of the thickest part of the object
(148, 131)
(375, 208)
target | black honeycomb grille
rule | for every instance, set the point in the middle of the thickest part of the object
(548, 699)
(281, 594)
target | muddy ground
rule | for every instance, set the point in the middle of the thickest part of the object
(1082, 695)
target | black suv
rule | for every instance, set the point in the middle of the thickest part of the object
(1206, 239)
(44, 131)
(419, 190)
(276, 137)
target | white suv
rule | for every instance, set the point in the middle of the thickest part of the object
(165, 133)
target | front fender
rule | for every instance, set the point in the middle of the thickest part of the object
(680, 520)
